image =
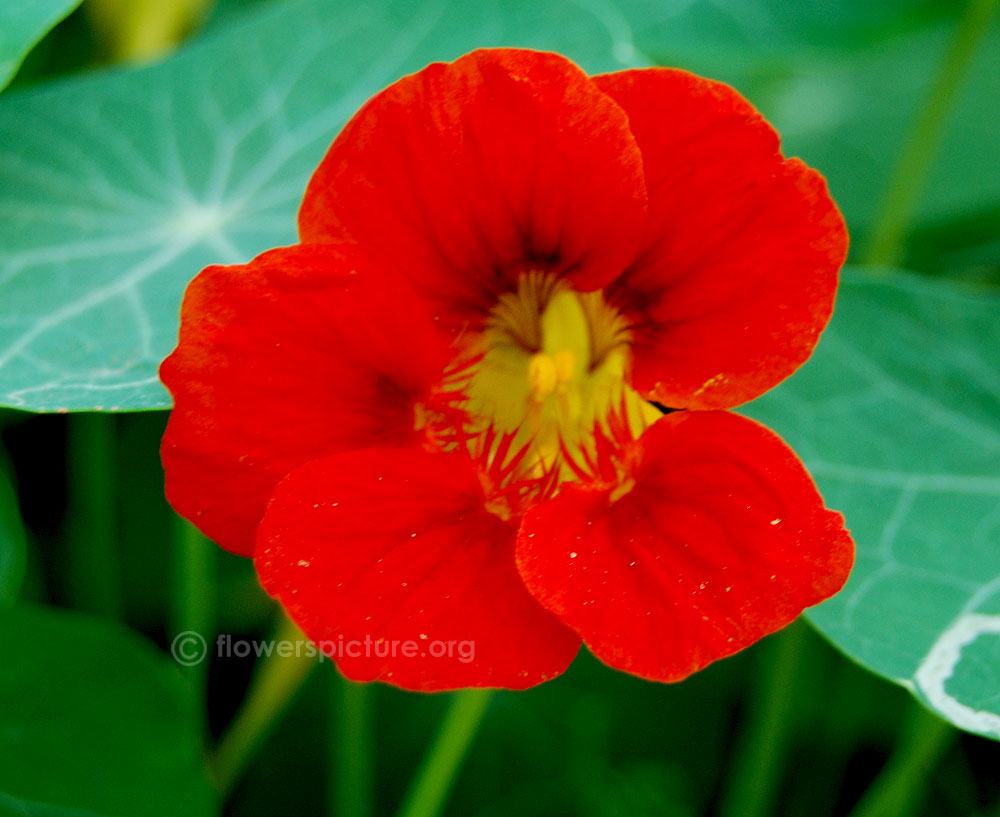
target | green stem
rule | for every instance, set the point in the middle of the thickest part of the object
(433, 783)
(13, 540)
(92, 539)
(193, 597)
(900, 787)
(885, 246)
(275, 682)
(351, 794)
(763, 743)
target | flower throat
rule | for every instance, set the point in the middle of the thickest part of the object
(545, 397)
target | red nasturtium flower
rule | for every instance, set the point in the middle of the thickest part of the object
(433, 419)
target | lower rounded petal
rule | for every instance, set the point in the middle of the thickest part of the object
(390, 562)
(295, 356)
(722, 539)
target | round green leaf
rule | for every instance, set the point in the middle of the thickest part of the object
(94, 720)
(897, 416)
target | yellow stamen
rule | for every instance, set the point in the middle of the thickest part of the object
(543, 374)
(565, 366)
(553, 367)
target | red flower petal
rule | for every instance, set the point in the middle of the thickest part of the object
(465, 174)
(738, 269)
(381, 548)
(722, 540)
(292, 357)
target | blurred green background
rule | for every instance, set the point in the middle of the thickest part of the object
(895, 102)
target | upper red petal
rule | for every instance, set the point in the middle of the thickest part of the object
(376, 550)
(295, 356)
(722, 540)
(465, 174)
(738, 268)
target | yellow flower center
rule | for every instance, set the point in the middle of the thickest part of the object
(549, 377)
